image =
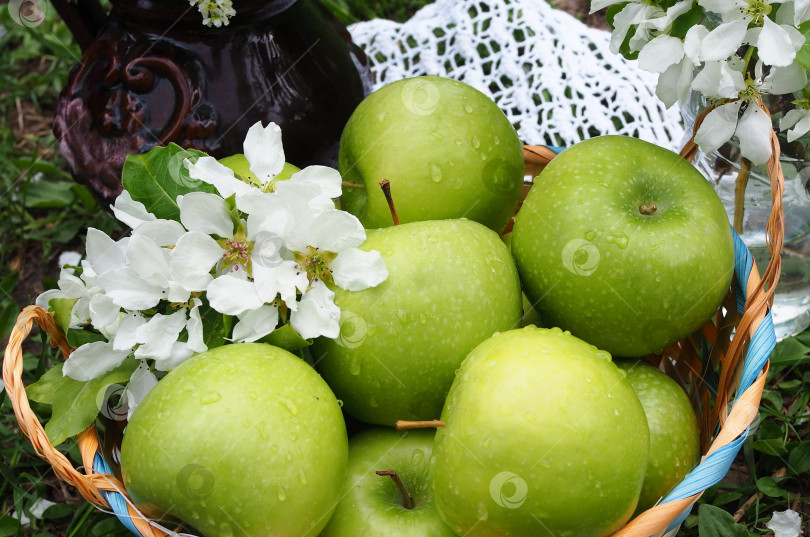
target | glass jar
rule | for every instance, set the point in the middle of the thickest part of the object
(749, 211)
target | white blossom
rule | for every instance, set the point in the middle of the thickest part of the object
(786, 523)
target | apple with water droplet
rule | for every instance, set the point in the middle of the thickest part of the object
(451, 284)
(446, 148)
(674, 432)
(625, 244)
(244, 440)
(374, 504)
(543, 437)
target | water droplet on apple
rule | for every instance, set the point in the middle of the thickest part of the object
(291, 408)
(422, 318)
(274, 448)
(281, 494)
(615, 411)
(403, 316)
(486, 442)
(496, 140)
(588, 379)
(195, 515)
(302, 476)
(619, 240)
(373, 402)
(210, 398)
(458, 141)
(604, 355)
(225, 530)
(436, 135)
(340, 403)
(483, 514)
(530, 416)
(435, 173)
(475, 142)
(417, 456)
(590, 235)
(381, 117)
(294, 437)
(468, 108)
(253, 395)
(354, 365)
(543, 463)
(483, 156)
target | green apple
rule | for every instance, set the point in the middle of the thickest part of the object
(446, 148)
(543, 437)
(625, 244)
(240, 165)
(244, 440)
(451, 285)
(373, 504)
(674, 432)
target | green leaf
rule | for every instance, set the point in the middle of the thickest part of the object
(287, 338)
(768, 486)
(803, 55)
(49, 194)
(76, 338)
(682, 24)
(727, 497)
(770, 446)
(159, 176)
(715, 522)
(773, 397)
(799, 459)
(42, 390)
(789, 352)
(214, 326)
(8, 318)
(8, 526)
(789, 385)
(61, 308)
(76, 404)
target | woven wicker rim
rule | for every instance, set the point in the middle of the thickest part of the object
(97, 487)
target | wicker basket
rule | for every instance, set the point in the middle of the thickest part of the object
(738, 341)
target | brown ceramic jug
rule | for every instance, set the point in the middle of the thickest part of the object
(152, 73)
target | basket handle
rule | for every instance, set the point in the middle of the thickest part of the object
(93, 486)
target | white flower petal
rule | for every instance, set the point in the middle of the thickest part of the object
(783, 80)
(140, 384)
(129, 290)
(719, 80)
(205, 213)
(630, 14)
(693, 41)
(103, 253)
(194, 327)
(801, 128)
(775, 46)
(325, 178)
(255, 324)
(718, 127)
(103, 312)
(717, 6)
(317, 315)
(354, 269)
(264, 151)
(596, 5)
(334, 231)
(209, 170)
(724, 40)
(786, 523)
(801, 11)
(126, 336)
(70, 258)
(754, 133)
(291, 279)
(660, 53)
(791, 118)
(192, 260)
(232, 295)
(43, 299)
(148, 260)
(159, 334)
(130, 212)
(92, 360)
(161, 232)
(179, 353)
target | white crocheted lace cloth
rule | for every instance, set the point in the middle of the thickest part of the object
(554, 77)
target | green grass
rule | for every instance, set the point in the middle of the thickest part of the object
(44, 212)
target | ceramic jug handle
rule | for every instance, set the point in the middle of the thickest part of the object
(84, 19)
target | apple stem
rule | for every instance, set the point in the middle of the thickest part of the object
(647, 209)
(347, 184)
(403, 425)
(385, 184)
(407, 499)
